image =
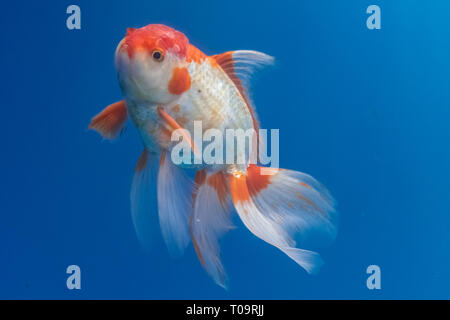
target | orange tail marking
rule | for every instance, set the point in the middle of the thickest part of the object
(109, 122)
(310, 202)
(218, 182)
(256, 181)
(238, 188)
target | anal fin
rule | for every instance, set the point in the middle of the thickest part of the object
(174, 204)
(143, 198)
(210, 220)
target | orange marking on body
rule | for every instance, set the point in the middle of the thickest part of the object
(109, 122)
(238, 189)
(218, 182)
(176, 108)
(257, 181)
(142, 162)
(290, 206)
(180, 81)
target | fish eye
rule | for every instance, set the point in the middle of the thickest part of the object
(157, 55)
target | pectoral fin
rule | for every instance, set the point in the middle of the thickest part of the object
(170, 124)
(239, 65)
(111, 120)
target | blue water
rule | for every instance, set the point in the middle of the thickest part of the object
(364, 111)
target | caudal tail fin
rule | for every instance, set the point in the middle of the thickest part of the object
(277, 204)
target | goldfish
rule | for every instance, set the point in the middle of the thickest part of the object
(168, 84)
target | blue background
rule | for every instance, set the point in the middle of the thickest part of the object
(365, 112)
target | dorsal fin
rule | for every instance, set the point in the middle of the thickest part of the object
(194, 54)
(239, 66)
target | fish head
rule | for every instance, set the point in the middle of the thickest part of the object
(148, 61)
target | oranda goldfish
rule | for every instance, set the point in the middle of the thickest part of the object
(168, 84)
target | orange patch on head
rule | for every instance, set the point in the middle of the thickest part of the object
(217, 182)
(130, 31)
(155, 36)
(180, 81)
